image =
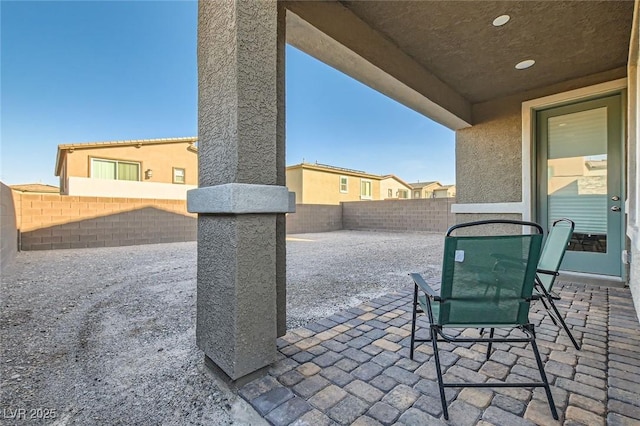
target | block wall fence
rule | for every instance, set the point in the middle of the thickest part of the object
(419, 215)
(8, 228)
(52, 221)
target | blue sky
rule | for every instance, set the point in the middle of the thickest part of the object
(96, 71)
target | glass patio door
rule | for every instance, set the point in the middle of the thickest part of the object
(580, 172)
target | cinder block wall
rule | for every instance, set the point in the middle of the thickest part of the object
(8, 227)
(314, 218)
(58, 221)
(422, 215)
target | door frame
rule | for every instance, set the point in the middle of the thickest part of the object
(607, 262)
(529, 125)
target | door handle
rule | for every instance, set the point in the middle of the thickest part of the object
(615, 209)
(615, 198)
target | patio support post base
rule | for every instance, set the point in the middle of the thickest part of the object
(234, 385)
(241, 250)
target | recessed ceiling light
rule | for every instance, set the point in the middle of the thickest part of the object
(501, 20)
(525, 64)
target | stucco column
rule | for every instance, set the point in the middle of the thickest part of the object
(241, 200)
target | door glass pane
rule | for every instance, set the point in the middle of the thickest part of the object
(577, 176)
(365, 188)
(102, 169)
(128, 171)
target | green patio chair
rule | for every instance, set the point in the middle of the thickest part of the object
(475, 294)
(552, 254)
(548, 266)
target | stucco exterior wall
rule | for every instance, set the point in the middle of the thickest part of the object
(487, 229)
(87, 187)
(160, 158)
(8, 227)
(294, 183)
(634, 282)
(393, 185)
(633, 139)
(488, 158)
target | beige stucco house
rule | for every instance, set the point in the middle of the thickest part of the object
(392, 187)
(146, 168)
(522, 83)
(445, 191)
(325, 184)
(424, 189)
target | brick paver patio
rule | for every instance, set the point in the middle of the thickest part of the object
(353, 368)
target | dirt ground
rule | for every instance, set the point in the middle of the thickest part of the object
(107, 336)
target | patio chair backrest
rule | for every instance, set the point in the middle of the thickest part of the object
(479, 287)
(554, 250)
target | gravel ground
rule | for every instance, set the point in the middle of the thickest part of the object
(106, 336)
(328, 272)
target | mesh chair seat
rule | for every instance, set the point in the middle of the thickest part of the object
(473, 310)
(478, 289)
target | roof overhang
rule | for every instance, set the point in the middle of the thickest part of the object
(441, 58)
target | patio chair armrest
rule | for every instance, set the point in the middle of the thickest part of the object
(420, 282)
(547, 272)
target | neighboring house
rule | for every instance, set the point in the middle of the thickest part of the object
(424, 189)
(36, 188)
(446, 191)
(324, 184)
(392, 187)
(146, 168)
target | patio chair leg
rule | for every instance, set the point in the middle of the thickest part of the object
(490, 343)
(413, 321)
(434, 341)
(547, 308)
(564, 324)
(543, 376)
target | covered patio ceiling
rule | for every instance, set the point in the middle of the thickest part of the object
(451, 53)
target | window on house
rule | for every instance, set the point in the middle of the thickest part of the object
(343, 184)
(416, 194)
(403, 193)
(390, 193)
(114, 169)
(365, 189)
(178, 175)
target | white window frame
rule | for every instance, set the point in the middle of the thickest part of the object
(365, 196)
(346, 184)
(139, 164)
(184, 175)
